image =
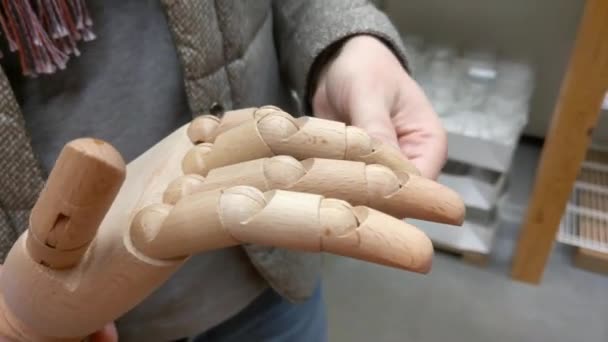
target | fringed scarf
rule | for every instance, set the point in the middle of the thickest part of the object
(44, 33)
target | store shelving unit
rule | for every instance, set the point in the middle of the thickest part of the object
(479, 188)
(569, 52)
(481, 197)
(482, 100)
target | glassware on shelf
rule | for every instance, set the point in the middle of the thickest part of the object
(476, 93)
(515, 81)
(510, 100)
(477, 71)
(440, 78)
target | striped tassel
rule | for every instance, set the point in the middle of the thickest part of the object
(45, 33)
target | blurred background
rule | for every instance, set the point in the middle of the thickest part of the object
(493, 70)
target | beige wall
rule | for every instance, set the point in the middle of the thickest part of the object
(541, 31)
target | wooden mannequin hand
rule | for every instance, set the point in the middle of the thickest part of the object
(250, 134)
(366, 86)
(270, 150)
(257, 176)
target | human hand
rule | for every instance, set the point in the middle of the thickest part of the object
(365, 85)
(107, 334)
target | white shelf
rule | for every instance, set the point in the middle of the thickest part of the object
(470, 237)
(479, 152)
(479, 189)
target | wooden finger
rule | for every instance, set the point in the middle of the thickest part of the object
(194, 161)
(273, 133)
(309, 137)
(398, 194)
(80, 189)
(372, 151)
(205, 128)
(378, 238)
(406, 195)
(294, 220)
(193, 225)
(183, 186)
(239, 144)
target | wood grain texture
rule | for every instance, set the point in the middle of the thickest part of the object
(575, 116)
(236, 145)
(272, 133)
(397, 194)
(287, 219)
(203, 128)
(80, 189)
(161, 216)
(303, 137)
(206, 128)
(111, 278)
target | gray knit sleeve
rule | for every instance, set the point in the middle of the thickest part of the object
(308, 32)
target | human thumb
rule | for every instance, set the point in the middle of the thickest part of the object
(374, 118)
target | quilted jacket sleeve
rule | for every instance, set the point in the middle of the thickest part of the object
(309, 32)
